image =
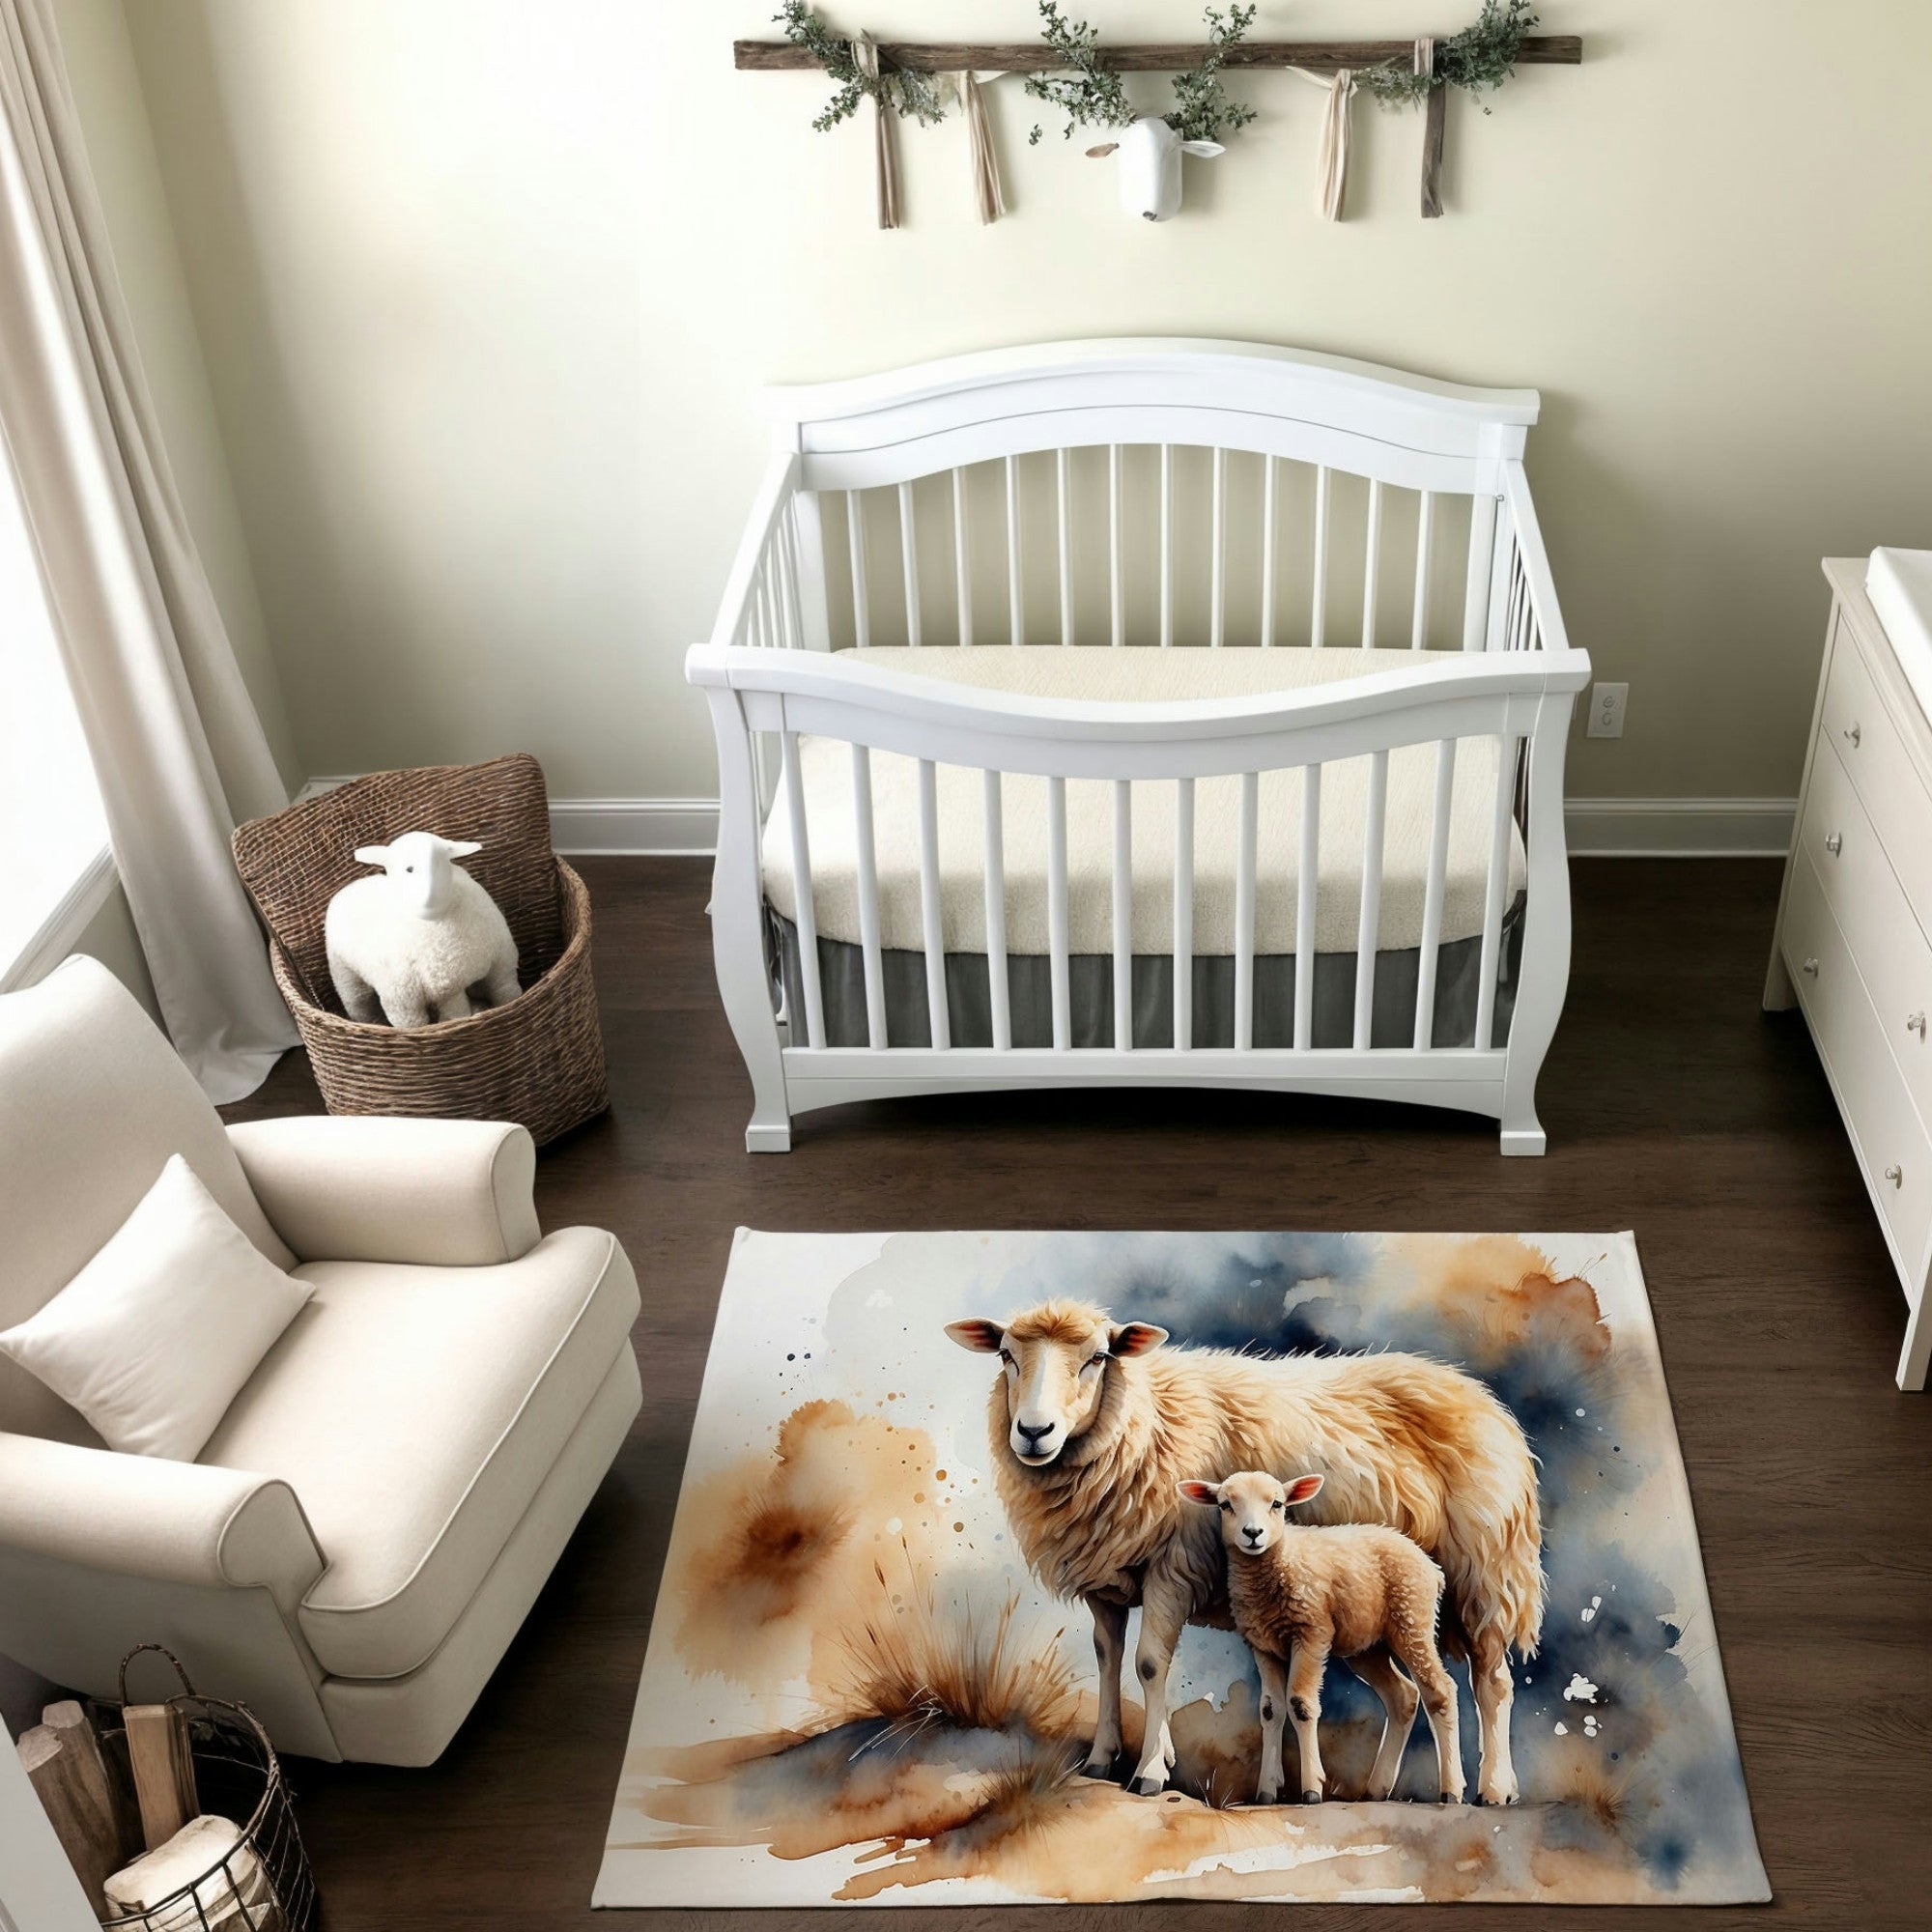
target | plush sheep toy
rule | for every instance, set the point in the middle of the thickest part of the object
(412, 943)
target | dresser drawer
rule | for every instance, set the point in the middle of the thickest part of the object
(1856, 723)
(1886, 945)
(1891, 1144)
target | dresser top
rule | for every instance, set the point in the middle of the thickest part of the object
(1846, 576)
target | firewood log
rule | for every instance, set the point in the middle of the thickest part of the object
(157, 1751)
(70, 1722)
(76, 1807)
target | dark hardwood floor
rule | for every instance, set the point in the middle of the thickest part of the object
(1673, 1106)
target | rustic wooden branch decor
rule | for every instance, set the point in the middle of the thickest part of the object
(1145, 57)
(918, 61)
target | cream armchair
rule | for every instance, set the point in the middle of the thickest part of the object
(356, 1545)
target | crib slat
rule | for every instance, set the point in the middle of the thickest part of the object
(1015, 582)
(1217, 576)
(1526, 611)
(1318, 617)
(1431, 895)
(962, 557)
(1056, 911)
(1372, 566)
(1244, 914)
(998, 991)
(1308, 878)
(1117, 563)
(1166, 543)
(1369, 930)
(931, 928)
(1062, 469)
(1183, 914)
(1124, 914)
(1270, 548)
(807, 917)
(855, 537)
(1495, 890)
(1425, 523)
(868, 897)
(909, 560)
(1476, 572)
(754, 612)
(794, 617)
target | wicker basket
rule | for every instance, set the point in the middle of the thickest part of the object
(263, 1882)
(538, 1061)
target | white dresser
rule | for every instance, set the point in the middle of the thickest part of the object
(1851, 947)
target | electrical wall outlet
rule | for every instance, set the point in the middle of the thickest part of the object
(1607, 710)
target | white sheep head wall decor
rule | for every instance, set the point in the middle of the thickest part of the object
(1149, 166)
(419, 940)
(1147, 147)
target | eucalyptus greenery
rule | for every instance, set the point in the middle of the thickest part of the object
(1091, 93)
(1480, 58)
(1202, 110)
(907, 91)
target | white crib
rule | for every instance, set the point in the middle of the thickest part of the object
(1143, 712)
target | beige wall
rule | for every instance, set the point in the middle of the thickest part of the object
(485, 291)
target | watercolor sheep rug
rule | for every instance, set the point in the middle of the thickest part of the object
(939, 1626)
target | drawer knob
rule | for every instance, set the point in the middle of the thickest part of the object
(1854, 733)
(1834, 843)
(1811, 967)
(1895, 1174)
(1915, 1023)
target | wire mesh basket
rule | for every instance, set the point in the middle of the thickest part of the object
(262, 1882)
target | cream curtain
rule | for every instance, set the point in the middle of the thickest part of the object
(178, 749)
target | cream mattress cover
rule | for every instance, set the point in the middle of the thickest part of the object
(1146, 674)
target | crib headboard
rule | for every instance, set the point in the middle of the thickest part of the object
(1409, 430)
(1143, 491)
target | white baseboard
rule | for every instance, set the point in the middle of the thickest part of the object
(1680, 828)
(624, 828)
(639, 827)
(1603, 828)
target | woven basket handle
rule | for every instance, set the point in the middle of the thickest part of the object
(188, 1689)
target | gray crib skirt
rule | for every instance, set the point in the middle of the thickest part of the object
(841, 974)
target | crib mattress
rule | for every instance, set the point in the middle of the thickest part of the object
(1147, 674)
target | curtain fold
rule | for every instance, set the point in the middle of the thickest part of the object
(178, 749)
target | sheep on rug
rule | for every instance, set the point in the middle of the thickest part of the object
(1095, 1425)
(414, 942)
(1353, 1590)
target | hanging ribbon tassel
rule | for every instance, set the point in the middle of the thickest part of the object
(885, 153)
(1434, 120)
(988, 195)
(1332, 163)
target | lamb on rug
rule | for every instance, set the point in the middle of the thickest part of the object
(905, 1583)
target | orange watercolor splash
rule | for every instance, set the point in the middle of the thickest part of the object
(789, 1543)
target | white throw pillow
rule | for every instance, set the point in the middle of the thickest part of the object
(154, 1337)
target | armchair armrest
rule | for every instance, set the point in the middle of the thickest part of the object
(168, 1522)
(366, 1188)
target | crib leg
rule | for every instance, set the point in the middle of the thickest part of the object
(1522, 1134)
(738, 931)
